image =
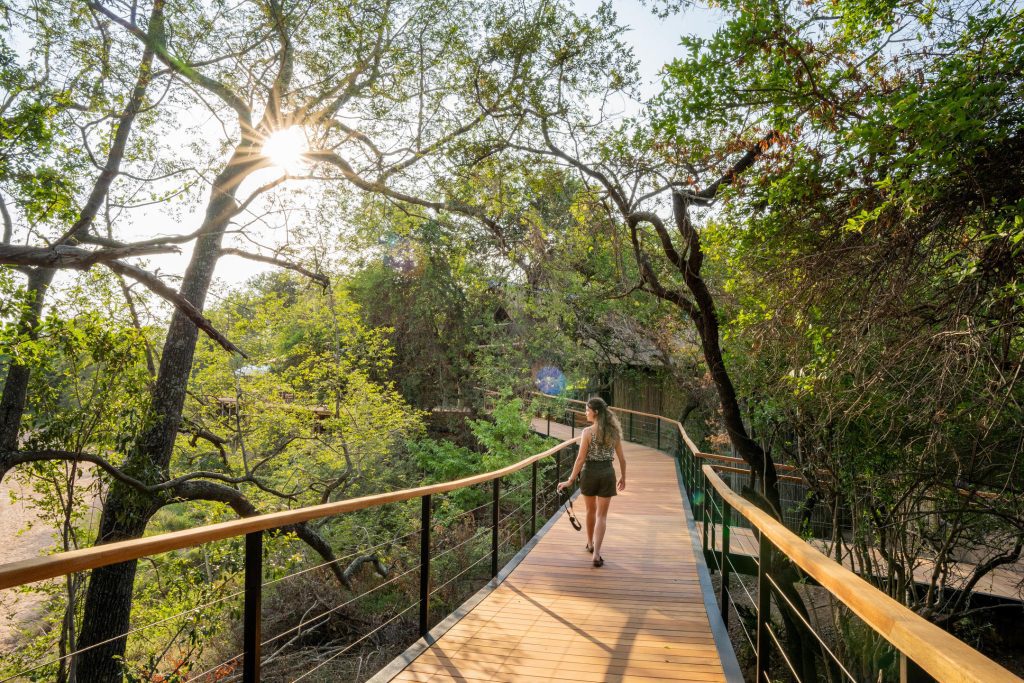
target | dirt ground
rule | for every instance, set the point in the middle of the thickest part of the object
(22, 536)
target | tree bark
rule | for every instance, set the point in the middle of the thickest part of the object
(126, 513)
(15, 394)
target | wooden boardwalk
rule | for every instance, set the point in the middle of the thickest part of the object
(639, 618)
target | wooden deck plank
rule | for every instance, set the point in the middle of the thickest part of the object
(639, 619)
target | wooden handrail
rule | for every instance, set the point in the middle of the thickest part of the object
(944, 657)
(51, 566)
(741, 461)
(746, 470)
(615, 408)
(682, 432)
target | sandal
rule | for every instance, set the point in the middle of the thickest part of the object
(599, 562)
(589, 548)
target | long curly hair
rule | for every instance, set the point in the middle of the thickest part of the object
(607, 430)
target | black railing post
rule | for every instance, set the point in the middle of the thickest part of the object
(910, 672)
(657, 427)
(424, 563)
(724, 563)
(763, 608)
(533, 502)
(549, 423)
(631, 426)
(494, 529)
(252, 620)
(704, 509)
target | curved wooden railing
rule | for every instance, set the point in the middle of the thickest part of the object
(941, 655)
(921, 644)
(51, 566)
(938, 653)
(252, 528)
(739, 465)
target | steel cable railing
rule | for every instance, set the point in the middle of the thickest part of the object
(353, 644)
(793, 610)
(137, 629)
(249, 661)
(922, 649)
(309, 623)
(357, 553)
(919, 646)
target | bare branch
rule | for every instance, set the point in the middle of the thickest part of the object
(76, 258)
(10, 459)
(155, 285)
(319, 278)
(158, 44)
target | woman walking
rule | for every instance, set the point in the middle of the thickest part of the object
(601, 444)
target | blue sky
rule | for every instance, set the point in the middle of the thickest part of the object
(656, 41)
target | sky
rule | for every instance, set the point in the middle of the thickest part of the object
(655, 42)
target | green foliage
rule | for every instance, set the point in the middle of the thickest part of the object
(505, 439)
(869, 263)
(306, 405)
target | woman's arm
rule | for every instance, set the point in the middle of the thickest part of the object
(621, 486)
(580, 459)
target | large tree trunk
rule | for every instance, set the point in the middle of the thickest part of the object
(15, 394)
(126, 512)
(705, 318)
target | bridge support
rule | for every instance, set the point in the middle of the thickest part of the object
(533, 501)
(724, 609)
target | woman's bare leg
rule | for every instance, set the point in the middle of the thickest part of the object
(601, 524)
(591, 503)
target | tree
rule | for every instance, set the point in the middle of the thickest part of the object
(874, 265)
(379, 92)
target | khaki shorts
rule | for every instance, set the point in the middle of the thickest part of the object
(598, 479)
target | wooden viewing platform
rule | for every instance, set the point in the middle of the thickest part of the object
(555, 617)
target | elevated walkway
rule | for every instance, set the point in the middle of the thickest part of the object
(642, 617)
(649, 614)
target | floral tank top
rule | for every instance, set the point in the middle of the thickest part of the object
(596, 453)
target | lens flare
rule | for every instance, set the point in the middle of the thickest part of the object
(550, 380)
(400, 255)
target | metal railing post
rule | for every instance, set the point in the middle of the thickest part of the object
(533, 502)
(657, 427)
(631, 426)
(704, 509)
(910, 672)
(726, 510)
(763, 609)
(252, 625)
(424, 564)
(549, 423)
(494, 528)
